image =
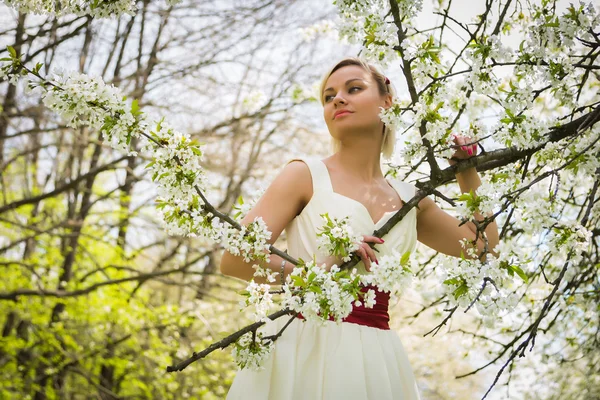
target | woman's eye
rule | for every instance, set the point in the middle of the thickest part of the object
(329, 97)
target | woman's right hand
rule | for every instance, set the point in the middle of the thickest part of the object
(366, 253)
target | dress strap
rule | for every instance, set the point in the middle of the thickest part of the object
(407, 190)
(318, 172)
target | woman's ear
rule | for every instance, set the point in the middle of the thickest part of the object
(388, 101)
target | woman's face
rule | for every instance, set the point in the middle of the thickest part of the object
(352, 102)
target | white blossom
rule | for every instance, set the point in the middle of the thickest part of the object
(369, 298)
(253, 102)
(321, 28)
(80, 99)
(369, 22)
(463, 280)
(176, 164)
(391, 274)
(250, 241)
(251, 354)
(319, 294)
(99, 9)
(258, 297)
(336, 237)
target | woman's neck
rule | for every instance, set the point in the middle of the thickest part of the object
(361, 161)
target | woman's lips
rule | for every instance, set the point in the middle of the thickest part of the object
(341, 114)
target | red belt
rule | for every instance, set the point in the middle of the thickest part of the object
(376, 317)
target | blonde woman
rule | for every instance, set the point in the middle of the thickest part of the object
(360, 358)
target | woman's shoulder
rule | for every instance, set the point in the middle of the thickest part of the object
(297, 173)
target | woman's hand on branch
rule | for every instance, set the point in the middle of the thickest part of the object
(366, 253)
(465, 147)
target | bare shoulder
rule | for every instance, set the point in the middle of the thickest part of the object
(297, 178)
(284, 198)
(425, 204)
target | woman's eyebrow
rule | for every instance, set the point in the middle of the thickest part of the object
(347, 82)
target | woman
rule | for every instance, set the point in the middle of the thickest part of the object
(360, 358)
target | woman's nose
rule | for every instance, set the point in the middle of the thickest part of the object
(338, 99)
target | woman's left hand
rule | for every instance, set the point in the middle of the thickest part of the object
(465, 148)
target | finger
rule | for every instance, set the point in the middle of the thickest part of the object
(371, 254)
(471, 147)
(365, 258)
(462, 141)
(367, 238)
(456, 139)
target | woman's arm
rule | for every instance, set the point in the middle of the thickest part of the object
(441, 231)
(285, 198)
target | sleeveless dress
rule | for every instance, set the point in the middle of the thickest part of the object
(349, 360)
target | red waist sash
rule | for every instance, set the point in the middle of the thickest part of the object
(376, 317)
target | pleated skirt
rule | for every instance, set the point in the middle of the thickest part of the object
(333, 361)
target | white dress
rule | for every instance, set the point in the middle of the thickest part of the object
(335, 361)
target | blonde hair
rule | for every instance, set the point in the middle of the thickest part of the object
(389, 135)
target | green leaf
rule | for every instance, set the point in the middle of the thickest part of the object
(298, 281)
(135, 108)
(462, 289)
(464, 197)
(159, 124)
(12, 51)
(316, 289)
(452, 281)
(520, 272)
(405, 258)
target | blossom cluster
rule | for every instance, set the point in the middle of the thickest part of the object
(391, 274)
(300, 93)
(266, 273)
(370, 23)
(83, 100)
(250, 242)
(463, 280)
(260, 298)
(93, 8)
(336, 237)
(176, 164)
(320, 28)
(242, 207)
(544, 59)
(319, 294)
(98, 9)
(251, 350)
(488, 196)
(568, 240)
(550, 35)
